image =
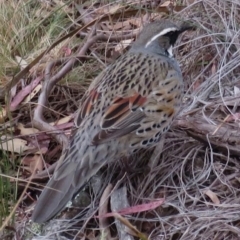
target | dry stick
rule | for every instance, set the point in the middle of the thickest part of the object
(103, 209)
(38, 119)
(198, 130)
(103, 203)
(119, 201)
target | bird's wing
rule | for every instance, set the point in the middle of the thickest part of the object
(124, 113)
(120, 118)
(89, 102)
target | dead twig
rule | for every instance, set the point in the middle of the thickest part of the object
(199, 130)
(38, 119)
(103, 209)
(119, 201)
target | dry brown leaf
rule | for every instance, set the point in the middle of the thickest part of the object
(126, 25)
(212, 196)
(129, 227)
(136, 22)
(118, 25)
(113, 9)
(16, 145)
(62, 120)
(166, 4)
(32, 94)
(197, 83)
(26, 131)
(123, 44)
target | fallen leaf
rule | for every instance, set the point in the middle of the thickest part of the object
(115, 8)
(24, 93)
(62, 120)
(197, 83)
(136, 209)
(118, 25)
(123, 44)
(142, 207)
(130, 228)
(32, 94)
(16, 145)
(136, 22)
(212, 196)
(26, 131)
(166, 4)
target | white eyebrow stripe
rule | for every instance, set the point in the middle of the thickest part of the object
(163, 32)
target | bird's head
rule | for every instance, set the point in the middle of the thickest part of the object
(159, 37)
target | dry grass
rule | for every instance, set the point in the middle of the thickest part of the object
(196, 168)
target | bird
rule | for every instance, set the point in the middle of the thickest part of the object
(127, 107)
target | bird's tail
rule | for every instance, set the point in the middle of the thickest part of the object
(53, 198)
(76, 166)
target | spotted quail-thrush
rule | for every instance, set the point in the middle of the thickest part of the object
(127, 107)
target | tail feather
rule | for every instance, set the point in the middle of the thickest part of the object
(61, 188)
(73, 171)
(54, 198)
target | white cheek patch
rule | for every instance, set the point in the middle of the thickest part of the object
(170, 51)
(163, 32)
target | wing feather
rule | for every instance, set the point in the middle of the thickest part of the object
(121, 118)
